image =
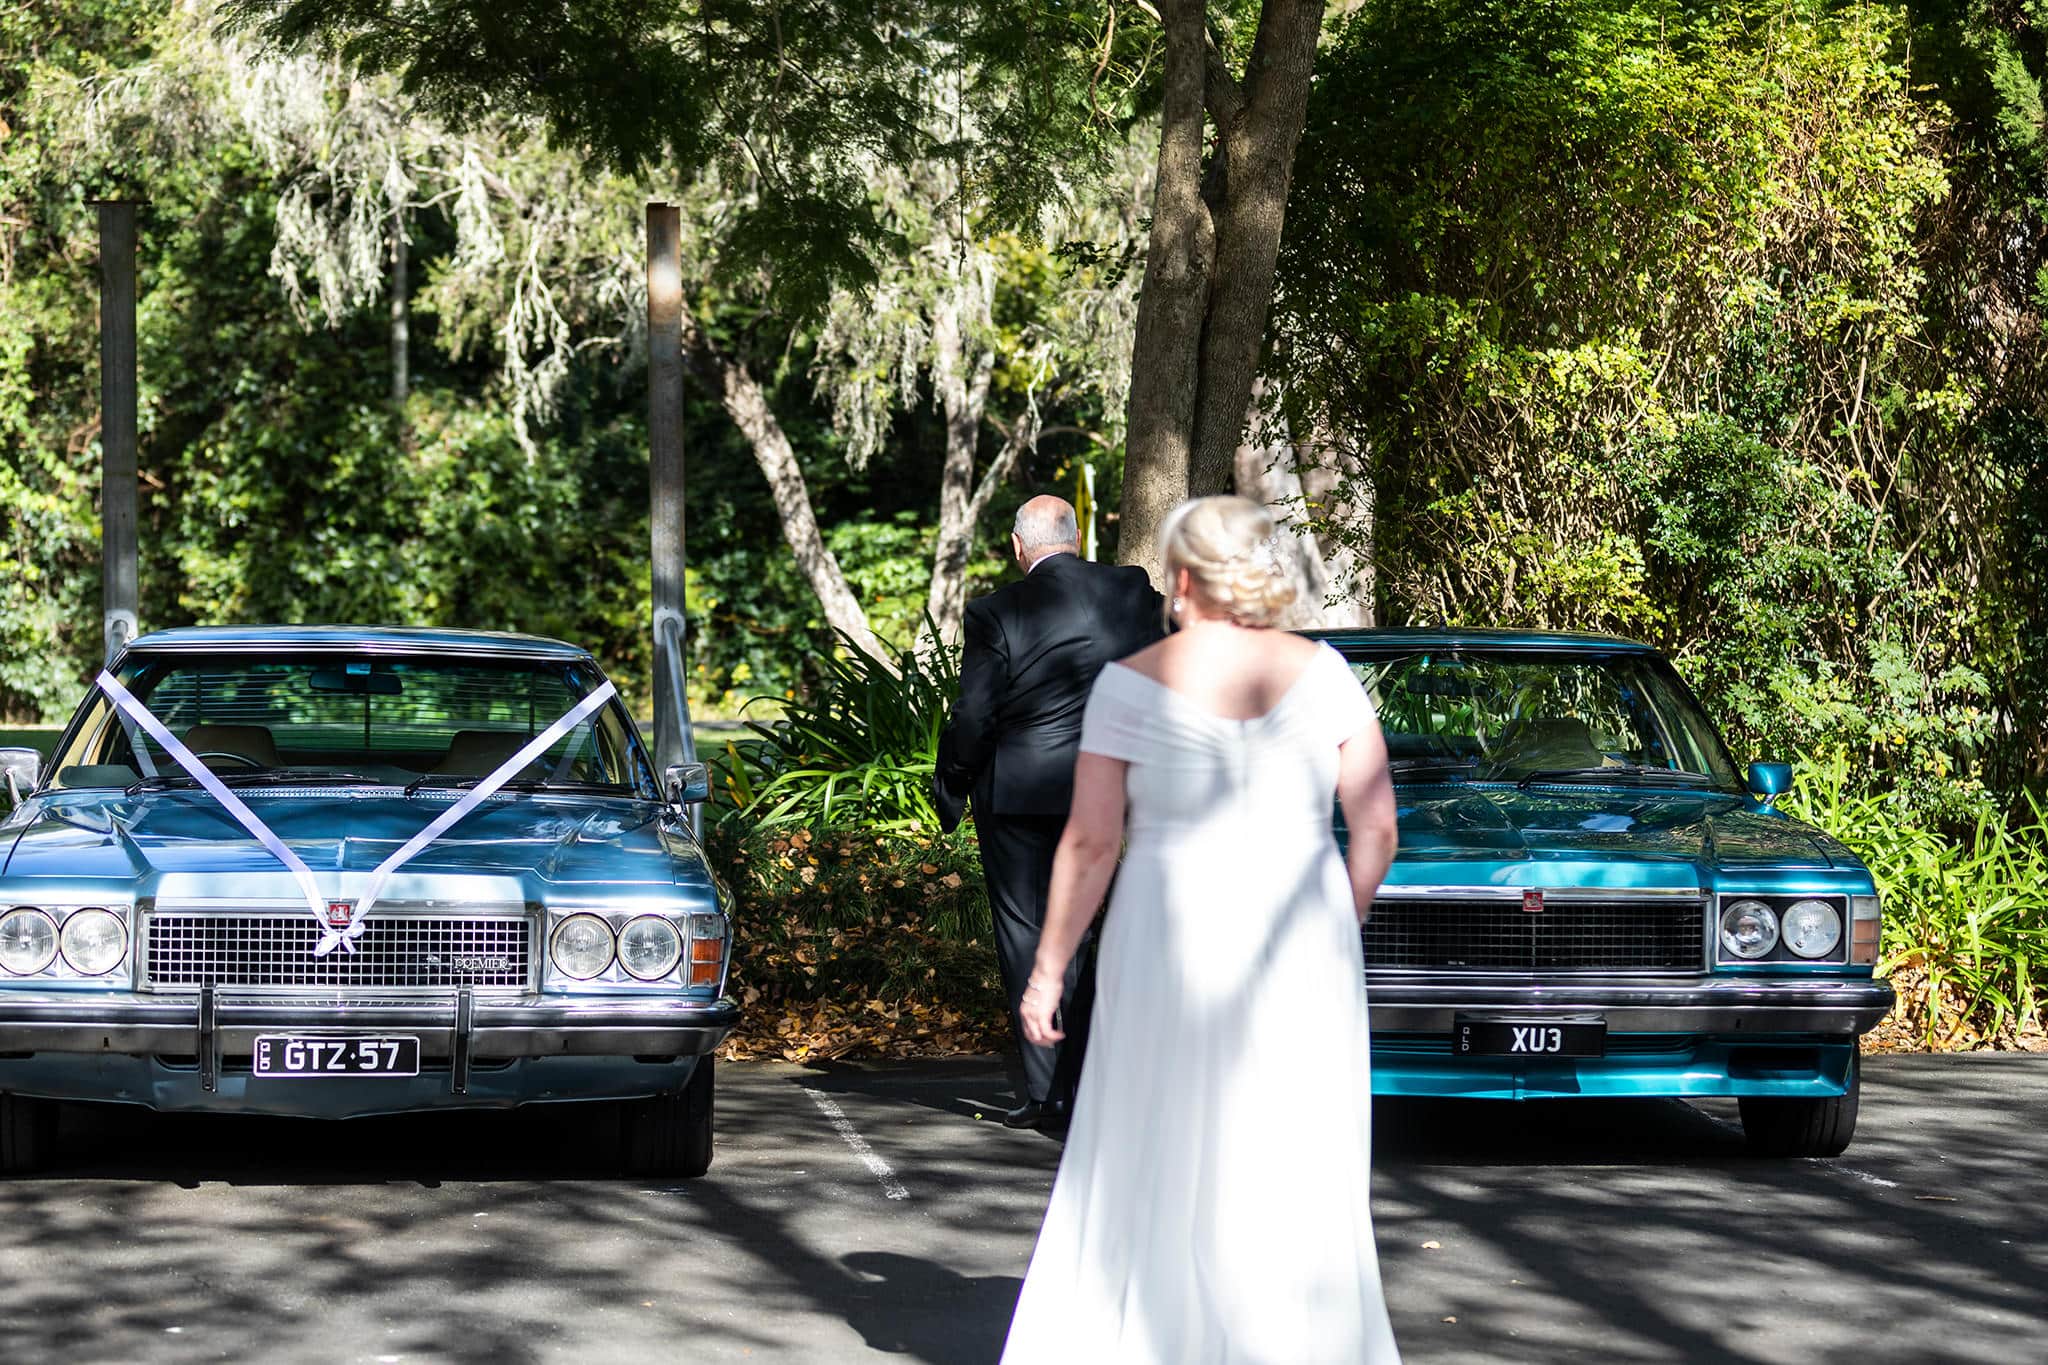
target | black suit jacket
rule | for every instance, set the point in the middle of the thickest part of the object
(1029, 655)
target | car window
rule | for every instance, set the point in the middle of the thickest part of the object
(383, 718)
(1504, 715)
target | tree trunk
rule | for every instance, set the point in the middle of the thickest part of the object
(1186, 420)
(963, 396)
(748, 407)
(401, 329)
(1179, 258)
(1265, 472)
(1336, 485)
(1250, 208)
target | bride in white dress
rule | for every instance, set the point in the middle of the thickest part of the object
(1212, 1203)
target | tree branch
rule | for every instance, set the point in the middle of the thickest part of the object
(1221, 94)
(1021, 436)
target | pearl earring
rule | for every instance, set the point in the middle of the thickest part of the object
(1179, 605)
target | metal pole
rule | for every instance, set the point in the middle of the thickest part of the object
(117, 422)
(672, 740)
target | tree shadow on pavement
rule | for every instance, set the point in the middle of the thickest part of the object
(500, 1237)
(1642, 1230)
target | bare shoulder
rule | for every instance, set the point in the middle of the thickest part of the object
(1152, 659)
(1288, 647)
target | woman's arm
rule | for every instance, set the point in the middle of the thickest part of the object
(1081, 870)
(1366, 791)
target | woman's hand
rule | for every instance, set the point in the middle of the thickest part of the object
(1041, 1002)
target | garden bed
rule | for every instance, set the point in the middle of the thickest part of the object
(854, 945)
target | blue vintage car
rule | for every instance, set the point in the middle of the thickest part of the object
(1590, 898)
(336, 872)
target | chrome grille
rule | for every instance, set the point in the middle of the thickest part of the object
(1496, 934)
(186, 950)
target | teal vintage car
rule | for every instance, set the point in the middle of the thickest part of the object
(1591, 898)
(333, 872)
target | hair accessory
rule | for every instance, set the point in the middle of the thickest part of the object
(1266, 554)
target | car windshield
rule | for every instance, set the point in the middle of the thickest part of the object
(419, 721)
(1499, 715)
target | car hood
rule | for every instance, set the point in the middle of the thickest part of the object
(1595, 836)
(184, 837)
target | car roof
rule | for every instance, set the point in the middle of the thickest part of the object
(354, 639)
(1444, 637)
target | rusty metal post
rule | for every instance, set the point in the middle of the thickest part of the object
(120, 598)
(672, 739)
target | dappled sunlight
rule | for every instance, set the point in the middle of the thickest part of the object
(1572, 1229)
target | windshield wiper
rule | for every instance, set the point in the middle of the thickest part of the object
(1632, 771)
(1431, 763)
(165, 781)
(458, 782)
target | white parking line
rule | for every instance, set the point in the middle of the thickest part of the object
(842, 1125)
(1866, 1177)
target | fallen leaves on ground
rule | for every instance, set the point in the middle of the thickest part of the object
(1956, 1028)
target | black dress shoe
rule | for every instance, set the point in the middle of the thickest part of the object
(1038, 1114)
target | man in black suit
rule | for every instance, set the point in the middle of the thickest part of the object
(1030, 653)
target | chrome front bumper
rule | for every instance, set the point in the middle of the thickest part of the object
(1410, 1002)
(458, 1028)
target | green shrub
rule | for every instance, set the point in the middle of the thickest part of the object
(857, 750)
(1965, 911)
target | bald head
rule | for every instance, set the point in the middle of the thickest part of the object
(1045, 525)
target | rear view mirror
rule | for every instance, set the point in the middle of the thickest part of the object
(1436, 683)
(1769, 781)
(689, 783)
(23, 767)
(356, 678)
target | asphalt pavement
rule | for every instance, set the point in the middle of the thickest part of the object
(870, 1213)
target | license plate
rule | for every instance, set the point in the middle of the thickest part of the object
(1529, 1037)
(292, 1054)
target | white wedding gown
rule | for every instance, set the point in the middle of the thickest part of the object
(1212, 1204)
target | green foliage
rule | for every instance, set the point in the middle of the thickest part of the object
(858, 749)
(1677, 324)
(1965, 919)
(795, 100)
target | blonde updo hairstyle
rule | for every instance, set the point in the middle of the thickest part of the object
(1228, 547)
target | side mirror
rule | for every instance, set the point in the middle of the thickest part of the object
(1769, 781)
(689, 783)
(23, 767)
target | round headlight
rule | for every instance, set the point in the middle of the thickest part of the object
(28, 940)
(1749, 929)
(650, 947)
(93, 941)
(582, 946)
(1812, 928)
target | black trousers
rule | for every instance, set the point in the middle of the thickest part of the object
(1016, 858)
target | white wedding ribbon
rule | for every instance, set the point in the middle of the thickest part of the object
(330, 936)
(124, 702)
